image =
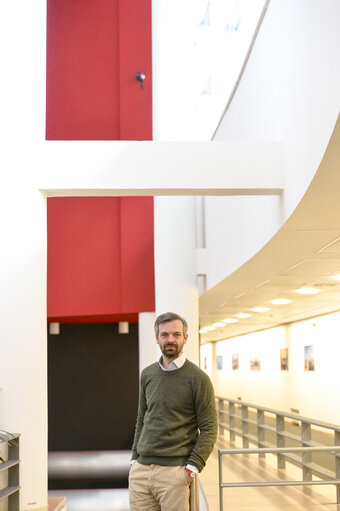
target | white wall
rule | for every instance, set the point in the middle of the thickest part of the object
(23, 361)
(290, 91)
(23, 345)
(244, 225)
(146, 339)
(207, 358)
(314, 393)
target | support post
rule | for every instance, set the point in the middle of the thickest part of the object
(220, 479)
(245, 427)
(337, 465)
(260, 431)
(232, 421)
(306, 456)
(221, 416)
(280, 440)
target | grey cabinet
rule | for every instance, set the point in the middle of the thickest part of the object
(10, 473)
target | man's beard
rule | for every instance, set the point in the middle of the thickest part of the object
(171, 352)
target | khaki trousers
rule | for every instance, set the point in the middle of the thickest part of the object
(158, 488)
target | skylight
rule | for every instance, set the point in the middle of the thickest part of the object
(199, 48)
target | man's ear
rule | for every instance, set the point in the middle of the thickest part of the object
(185, 338)
(157, 340)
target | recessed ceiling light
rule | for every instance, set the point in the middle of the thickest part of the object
(203, 331)
(336, 277)
(218, 324)
(243, 315)
(209, 328)
(280, 301)
(230, 320)
(308, 291)
(260, 309)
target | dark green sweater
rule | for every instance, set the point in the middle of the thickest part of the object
(176, 421)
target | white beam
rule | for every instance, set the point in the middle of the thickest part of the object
(161, 168)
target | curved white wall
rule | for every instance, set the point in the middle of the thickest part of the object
(236, 227)
(290, 91)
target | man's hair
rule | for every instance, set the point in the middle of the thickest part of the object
(170, 316)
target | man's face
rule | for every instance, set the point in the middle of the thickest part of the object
(171, 339)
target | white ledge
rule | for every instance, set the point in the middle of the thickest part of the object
(161, 168)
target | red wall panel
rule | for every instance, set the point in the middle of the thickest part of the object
(94, 50)
(137, 267)
(100, 258)
(135, 56)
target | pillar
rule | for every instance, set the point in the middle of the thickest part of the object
(23, 361)
(175, 264)
(147, 341)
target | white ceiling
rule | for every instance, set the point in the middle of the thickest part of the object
(304, 253)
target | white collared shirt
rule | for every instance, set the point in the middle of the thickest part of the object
(175, 364)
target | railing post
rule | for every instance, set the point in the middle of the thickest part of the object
(337, 465)
(220, 479)
(245, 426)
(194, 495)
(306, 456)
(221, 415)
(280, 440)
(260, 431)
(232, 421)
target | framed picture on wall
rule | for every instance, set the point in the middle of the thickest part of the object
(255, 362)
(234, 361)
(309, 358)
(219, 360)
(284, 359)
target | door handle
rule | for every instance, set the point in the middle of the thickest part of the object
(140, 77)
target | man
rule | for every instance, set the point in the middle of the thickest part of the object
(176, 425)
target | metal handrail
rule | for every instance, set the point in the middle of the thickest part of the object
(278, 450)
(194, 495)
(231, 412)
(292, 416)
(230, 416)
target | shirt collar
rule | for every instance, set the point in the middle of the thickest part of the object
(175, 364)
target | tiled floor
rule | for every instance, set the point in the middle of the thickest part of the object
(241, 468)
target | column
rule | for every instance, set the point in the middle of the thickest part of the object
(146, 339)
(175, 264)
(23, 361)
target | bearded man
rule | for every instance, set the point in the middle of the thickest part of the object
(176, 425)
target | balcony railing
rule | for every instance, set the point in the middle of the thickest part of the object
(271, 431)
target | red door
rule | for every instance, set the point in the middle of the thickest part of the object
(95, 48)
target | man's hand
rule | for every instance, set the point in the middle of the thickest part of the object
(188, 478)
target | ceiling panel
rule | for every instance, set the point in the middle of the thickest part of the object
(325, 267)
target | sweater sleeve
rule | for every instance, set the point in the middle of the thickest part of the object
(142, 407)
(207, 422)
